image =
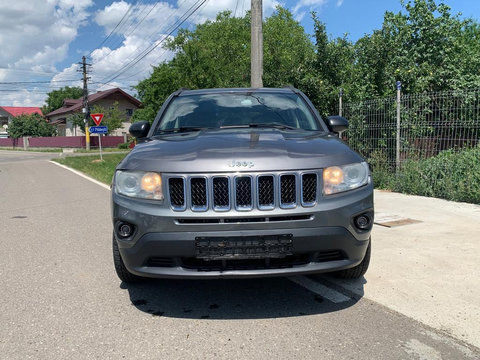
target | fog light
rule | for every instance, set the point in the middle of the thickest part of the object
(362, 222)
(125, 230)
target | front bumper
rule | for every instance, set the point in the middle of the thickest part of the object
(179, 248)
(163, 245)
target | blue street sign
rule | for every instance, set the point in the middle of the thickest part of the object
(98, 129)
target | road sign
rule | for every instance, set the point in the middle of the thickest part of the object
(97, 118)
(98, 129)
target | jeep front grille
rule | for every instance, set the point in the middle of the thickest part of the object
(198, 191)
(225, 192)
(221, 195)
(176, 188)
(243, 193)
(288, 191)
(266, 192)
(309, 188)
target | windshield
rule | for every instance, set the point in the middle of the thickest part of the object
(227, 110)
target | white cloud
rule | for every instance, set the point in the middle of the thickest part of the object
(40, 38)
(111, 15)
(339, 3)
(146, 24)
(35, 35)
(35, 97)
(310, 4)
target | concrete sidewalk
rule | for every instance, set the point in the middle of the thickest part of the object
(429, 270)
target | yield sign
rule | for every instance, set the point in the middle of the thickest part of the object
(97, 118)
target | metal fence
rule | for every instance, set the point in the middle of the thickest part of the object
(428, 123)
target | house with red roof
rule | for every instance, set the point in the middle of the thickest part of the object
(127, 104)
(7, 113)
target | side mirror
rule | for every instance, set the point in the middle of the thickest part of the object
(139, 129)
(337, 123)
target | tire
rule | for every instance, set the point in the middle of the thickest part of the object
(358, 271)
(122, 272)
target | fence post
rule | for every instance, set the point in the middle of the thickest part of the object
(25, 143)
(397, 151)
(340, 96)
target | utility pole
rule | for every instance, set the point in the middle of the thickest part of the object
(397, 149)
(85, 109)
(256, 44)
(340, 102)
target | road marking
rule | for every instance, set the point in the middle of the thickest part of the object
(82, 175)
(319, 289)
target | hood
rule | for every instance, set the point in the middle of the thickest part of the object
(239, 150)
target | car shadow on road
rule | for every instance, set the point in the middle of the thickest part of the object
(233, 299)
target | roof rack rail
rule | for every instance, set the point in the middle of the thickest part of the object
(179, 91)
(291, 87)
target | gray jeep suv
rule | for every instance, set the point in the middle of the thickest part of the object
(240, 183)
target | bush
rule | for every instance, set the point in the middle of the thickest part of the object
(451, 175)
(30, 125)
(123, 146)
(382, 172)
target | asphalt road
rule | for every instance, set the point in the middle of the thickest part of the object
(60, 297)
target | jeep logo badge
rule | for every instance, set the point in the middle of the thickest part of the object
(241, 164)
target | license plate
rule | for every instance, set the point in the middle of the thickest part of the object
(244, 247)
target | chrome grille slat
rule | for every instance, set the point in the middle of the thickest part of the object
(266, 192)
(227, 192)
(309, 189)
(176, 190)
(198, 194)
(288, 191)
(221, 194)
(243, 193)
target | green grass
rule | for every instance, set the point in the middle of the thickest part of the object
(97, 150)
(92, 166)
(53, 150)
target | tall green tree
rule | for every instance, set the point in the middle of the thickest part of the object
(29, 125)
(425, 47)
(217, 54)
(55, 98)
(331, 70)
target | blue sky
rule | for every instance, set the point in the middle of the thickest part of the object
(43, 40)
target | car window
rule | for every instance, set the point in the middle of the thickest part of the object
(230, 110)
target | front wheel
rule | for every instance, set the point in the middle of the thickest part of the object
(122, 271)
(359, 270)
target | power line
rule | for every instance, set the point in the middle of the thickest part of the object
(28, 70)
(146, 51)
(157, 43)
(160, 55)
(28, 91)
(113, 31)
(235, 12)
(149, 37)
(34, 82)
(125, 29)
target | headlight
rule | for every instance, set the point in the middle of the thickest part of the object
(146, 185)
(342, 178)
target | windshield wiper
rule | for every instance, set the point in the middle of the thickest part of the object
(180, 130)
(273, 125)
